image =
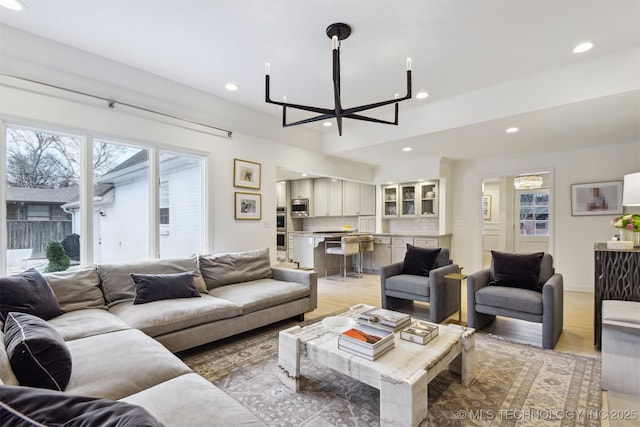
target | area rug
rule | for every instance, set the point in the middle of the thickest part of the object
(515, 385)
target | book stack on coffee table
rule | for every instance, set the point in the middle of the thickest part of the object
(366, 341)
(385, 319)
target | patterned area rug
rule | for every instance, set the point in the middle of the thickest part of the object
(515, 385)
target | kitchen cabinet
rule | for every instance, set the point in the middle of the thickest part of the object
(366, 224)
(281, 194)
(399, 248)
(327, 197)
(302, 189)
(390, 201)
(358, 199)
(429, 198)
(426, 242)
(381, 252)
(408, 198)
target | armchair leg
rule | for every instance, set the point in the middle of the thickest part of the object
(391, 303)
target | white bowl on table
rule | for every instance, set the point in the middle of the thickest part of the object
(338, 324)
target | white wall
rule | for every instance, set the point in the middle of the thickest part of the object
(574, 236)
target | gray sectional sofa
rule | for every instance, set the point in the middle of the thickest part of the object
(123, 351)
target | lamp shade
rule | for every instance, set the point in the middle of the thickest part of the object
(631, 190)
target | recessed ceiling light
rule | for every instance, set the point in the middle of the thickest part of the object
(305, 174)
(327, 124)
(583, 47)
(512, 129)
(422, 95)
(407, 149)
(232, 87)
(12, 4)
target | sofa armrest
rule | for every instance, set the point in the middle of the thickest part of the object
(444, 293)
(475, 282)
(552, 316)
(308, 278)
(387, 271)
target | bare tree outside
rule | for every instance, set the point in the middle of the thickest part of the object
(46, 160)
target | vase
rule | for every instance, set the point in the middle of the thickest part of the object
(630, 235)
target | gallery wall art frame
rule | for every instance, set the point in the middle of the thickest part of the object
(596, 198)
(486, 207)
(248, 206)
(246, 174)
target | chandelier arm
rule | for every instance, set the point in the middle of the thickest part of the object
(352, 110)
(372, 119)
(309, 120)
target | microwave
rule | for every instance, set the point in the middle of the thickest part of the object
(299, 208)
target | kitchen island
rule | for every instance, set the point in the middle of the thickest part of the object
(308, 249)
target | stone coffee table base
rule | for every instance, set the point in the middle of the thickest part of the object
(402, 375)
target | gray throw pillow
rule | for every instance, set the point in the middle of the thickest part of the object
(38, 355)
(235, 267)
(28, 292)
(156, 287)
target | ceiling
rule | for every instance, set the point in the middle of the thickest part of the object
(485, 65)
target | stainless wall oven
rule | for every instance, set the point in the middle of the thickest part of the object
(281, 240)
(281, 219)
(299, 208)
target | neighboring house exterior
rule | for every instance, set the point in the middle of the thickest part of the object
(121, 209)
(36, 216)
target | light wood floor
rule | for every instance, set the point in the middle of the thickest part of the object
(577, 334)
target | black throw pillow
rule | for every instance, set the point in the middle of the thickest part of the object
(517, 270)
(156, 287)
(419, 261)
(28, 292)
(38, 355)
(25, 406)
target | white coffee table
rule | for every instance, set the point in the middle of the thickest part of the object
(401, 375)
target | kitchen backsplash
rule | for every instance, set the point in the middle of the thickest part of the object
(329, 223)
(428, 226)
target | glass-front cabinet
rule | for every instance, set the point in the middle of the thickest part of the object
(429, 198)
(390, 201)
(408, 194)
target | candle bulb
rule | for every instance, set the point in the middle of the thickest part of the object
(284, 99)
(335, 42)
(267, 68)
(408, 64)
(397, 95)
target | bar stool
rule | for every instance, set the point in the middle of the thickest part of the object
(366, 245)
(346, 246)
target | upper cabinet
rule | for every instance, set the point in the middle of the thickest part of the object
(281, 194)
(429, 198)
(410, 200)
(302, 189)
(358, 199)
(390, 201)
(327, 197)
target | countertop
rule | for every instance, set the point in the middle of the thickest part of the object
(356, 233)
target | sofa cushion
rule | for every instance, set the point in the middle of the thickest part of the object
(516, 299)
(419, 261)
(517, 270)
(118, 285)
(121, 363)
(156, 287)
(6, 373)
(77, 289)
(162, 317)
(28, 292)
(26, 406)
(85, 323)
(190, 400)
(409, 283)
(38, 355)
(235, 267)
(260, 294)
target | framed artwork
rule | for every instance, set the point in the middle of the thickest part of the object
(596, 198)
(486, 207)
(248, 206)
(246, 174)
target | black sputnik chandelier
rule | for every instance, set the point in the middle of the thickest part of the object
(337, 32)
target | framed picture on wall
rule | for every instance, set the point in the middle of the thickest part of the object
(246, 174)
(248, 206)
(486, 207)
(596, 198)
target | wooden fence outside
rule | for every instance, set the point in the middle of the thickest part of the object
(35, 234)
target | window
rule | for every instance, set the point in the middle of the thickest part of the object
(180, 194)
(534, 214)
(38, 212)
(42, 176)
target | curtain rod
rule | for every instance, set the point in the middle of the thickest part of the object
(112, 102)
